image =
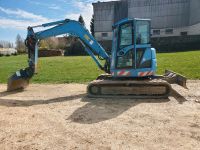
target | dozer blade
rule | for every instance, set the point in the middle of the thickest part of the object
(19, 80)
(175, 78)
(129, 89)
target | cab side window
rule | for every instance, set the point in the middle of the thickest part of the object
(142, 32)
(126, 36)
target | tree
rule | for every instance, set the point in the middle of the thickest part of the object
(6, 44)
(43, 44)
(53, 43)
(81, 20)
(10, 45)
(20, 46)
(92, 25)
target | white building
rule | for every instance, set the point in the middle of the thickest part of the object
(7, 51)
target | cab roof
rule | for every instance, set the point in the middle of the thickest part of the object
(127, 20)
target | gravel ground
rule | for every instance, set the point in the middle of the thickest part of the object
(60, 116)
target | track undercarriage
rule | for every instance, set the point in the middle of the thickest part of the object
(129, 89)
(151, 87)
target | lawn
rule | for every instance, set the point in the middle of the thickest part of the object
(82, 68)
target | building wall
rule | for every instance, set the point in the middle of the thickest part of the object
(194, 12)
(181, 17)
(191, 30)
(103, 16)
(120, 10)
(99, 37)
(194, 29)
(163, 13)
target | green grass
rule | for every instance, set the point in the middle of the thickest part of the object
(82, 68)
(185, 63)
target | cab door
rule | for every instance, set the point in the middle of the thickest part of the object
(142, 44)
(125, 54)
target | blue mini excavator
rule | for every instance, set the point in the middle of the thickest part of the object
(130, 70)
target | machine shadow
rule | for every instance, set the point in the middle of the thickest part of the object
(104, 109)
(6, 93)
(180, 99)
(97, 110)
(26, 103)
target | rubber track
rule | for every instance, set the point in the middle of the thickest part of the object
(148, 89)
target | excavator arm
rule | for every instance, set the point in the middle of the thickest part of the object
(21, 78)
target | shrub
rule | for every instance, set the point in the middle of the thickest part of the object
(14, 54)
(7, 55)
(42, 49)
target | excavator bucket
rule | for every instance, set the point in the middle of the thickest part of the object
(18, 80)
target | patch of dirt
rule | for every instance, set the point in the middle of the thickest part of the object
(61, 116)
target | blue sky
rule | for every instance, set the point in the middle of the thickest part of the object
(17, 15)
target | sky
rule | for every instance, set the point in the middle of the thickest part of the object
(17, 15)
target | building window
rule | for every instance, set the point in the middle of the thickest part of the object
(169, 31)
(184, 33)
(104, 34)
(156, 32)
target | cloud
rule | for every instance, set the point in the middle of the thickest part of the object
(23, 14)
(46, 5)
(34, 2)
(17, 24)
(54, 7)
(25, 19)
(85, 9)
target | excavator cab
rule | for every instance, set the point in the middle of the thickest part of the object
(132, 55)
